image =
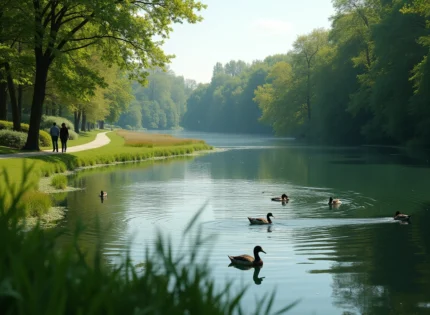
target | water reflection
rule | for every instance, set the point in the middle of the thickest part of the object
(257, 269)
(353, 258)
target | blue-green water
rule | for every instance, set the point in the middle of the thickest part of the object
(352, 259)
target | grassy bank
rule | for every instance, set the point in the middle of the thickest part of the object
(119, 150)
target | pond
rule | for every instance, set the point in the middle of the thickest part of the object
(351, 259)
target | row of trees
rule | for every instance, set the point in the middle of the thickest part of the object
(226, 103)
(366, 80)
(81, 53)
(160, 104)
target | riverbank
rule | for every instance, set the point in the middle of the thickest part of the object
(97, 154)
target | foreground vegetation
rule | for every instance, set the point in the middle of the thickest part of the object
(141, 147)
(38, 278)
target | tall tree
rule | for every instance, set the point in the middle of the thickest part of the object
(306, 48)
(123, 31)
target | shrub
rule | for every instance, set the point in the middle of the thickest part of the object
(12, 139)
(44, 139)
(47, 122)
(8, 125)
(59, 181)
(73, 135)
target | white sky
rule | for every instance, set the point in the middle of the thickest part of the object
(242, 29)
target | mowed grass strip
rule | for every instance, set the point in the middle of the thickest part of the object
(150, 140)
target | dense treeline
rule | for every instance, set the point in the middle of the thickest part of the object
(160, 104)
(366, 80)
(78, 57)
(226, 103)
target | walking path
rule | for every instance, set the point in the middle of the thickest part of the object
(100, 140)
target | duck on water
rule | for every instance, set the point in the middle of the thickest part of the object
(246, 260)
(261, 220)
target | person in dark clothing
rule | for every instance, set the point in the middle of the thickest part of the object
(64, 136)
(54, 132)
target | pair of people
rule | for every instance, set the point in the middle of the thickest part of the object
(63, 133)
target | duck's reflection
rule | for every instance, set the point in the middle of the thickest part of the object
(257, 269)
(269, 228)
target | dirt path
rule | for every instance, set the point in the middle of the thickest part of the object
(101, 140)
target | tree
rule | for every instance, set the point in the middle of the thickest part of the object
(306, 48)
(123, 31)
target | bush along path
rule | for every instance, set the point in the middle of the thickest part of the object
(101, 140)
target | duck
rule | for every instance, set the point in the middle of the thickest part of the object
(103, 194)
(261, 220)
(283, 198)
(246, 260)
(401, 217)
(333, 202)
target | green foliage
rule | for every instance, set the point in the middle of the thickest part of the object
(36, 203)
(13, 139)
(73, 135)
(47, 122)
(159, 105)
(226, 104)
(40, 279)
(59, 181)
(44, 138)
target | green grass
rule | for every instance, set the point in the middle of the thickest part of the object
(7, 150)
(59, 181)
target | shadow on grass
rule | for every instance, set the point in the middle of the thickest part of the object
(7, 150)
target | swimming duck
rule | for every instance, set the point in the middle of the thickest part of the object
(333, 202)
(283, 198)
(247, 260)
(261, 220)
(103, 194)
(401, 217)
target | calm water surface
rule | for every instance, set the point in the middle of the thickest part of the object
(353, 259)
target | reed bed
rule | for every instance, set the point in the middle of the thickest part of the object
(149, 140)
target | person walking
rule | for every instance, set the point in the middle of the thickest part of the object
(64, 136)
(54, 132)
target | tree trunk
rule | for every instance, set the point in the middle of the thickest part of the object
(20, 93)
(77, 119)
(46, 111)
(60, 110)
(84, 121)
(308, 94)
(88, 126)
(53, 110)
(102, 124)
(16, 117)
(3, 100)
(42, 67)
